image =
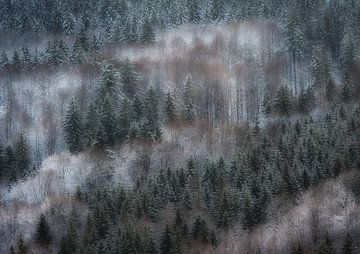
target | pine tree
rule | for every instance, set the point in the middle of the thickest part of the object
(320, 68)
(346, 54)
(51, 54)
(188, 104)
(22, 247)
(151, 125)
(10, 165)
(2, 164)
(69, 243)
(16, 62)
(43, 236)
(166, 243)
(217, 10)
(63, 52)
(330, 90)
(125, 120)
(326, 246)
(137, 109)
(348, 247)
(346, 92)
(4, 61)
(26, 58)
(91, 127)
(267, 103)
(147, 32)
(283, 101)
(72, 126)
(297, 249)
(107, 128)
(194, 11)
(170, 109)
(22, 155)
(306, 100)
(78, 52)
(200, 230)
(129, 79)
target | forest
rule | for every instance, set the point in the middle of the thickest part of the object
(190, 126)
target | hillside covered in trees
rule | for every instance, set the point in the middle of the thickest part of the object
(191, 126)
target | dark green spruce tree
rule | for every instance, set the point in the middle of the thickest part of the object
(170, 110)
(22, 155)
(72, 127)
(43, 235)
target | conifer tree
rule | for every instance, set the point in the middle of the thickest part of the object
(151, 125)
(4, 60)
(78, 52)
(170, 109)
(16, 62)
(193, 10)
(346, 54)
(166, 244)
(137, 109)
(22, 247)
(326, 246)
(26, 58)
(43, 236)
(283, 101)
(267, 103)
(72, 126)
(91, 127)
(129, 79)
(297, 249)
(10, 165)
(63, 52)
(189, 110)
(330, 91)
(147, 32)
(217, 10)
(134, 36)
(125, 120)
(107, 128)
(348, 247)
(22, 155)
(69, 243)
(346, 91)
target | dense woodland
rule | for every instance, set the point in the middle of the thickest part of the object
(266, 94)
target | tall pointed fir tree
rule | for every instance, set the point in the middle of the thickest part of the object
(72, 127)
(170, 110)
(129, 79)
(16, 62)
(4, 61)
(105, 107)
(91, 126)
(107, 128)
(166, 243)
(193, 11)
(125, 118)
(22, 155)
(78, 51)
(26, 62)
(217, 10)
(43, 235)
(63, 52)
(69, 243)
(147, 32)
(10, 165)
(348, 245)
(283, 101)
(151, 128)
(189, 111)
